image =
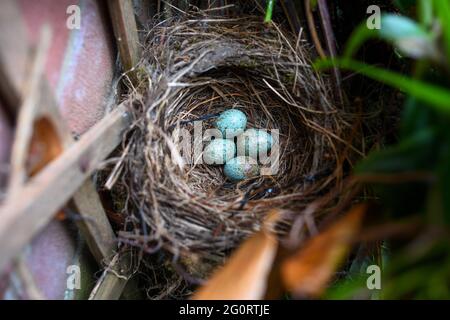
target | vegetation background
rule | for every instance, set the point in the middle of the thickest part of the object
(410, 163)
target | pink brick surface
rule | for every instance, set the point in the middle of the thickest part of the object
(36, 14)
(48, 257)
(87, 73)
(80, 69)
(80, 63)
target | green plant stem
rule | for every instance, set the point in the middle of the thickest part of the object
(269, 10)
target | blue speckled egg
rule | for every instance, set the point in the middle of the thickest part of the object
(219, 151)
(254, 142)
(231, 123)
(241, 168)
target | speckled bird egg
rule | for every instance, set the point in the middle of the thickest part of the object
(254, 142)
(241, 168)
(219, 151)
(231, 123)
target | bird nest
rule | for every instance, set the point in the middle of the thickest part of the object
(194, 67)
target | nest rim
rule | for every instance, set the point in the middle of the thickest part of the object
(174, 207)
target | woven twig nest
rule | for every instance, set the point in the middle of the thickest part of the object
(194, 68)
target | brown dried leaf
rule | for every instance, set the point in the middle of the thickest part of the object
(244, 276)
(307, 272)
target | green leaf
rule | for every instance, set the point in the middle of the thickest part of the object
(405, 34)
(395, 27)
(360, 35)
(442, 9)
(348, 288)
(437, 97)
(405, 5)
(415, 117)
(425, 8)
(412, 274)
(408, 36)
(444, 176)
(415, 153)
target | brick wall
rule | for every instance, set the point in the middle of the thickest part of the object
(80, 70)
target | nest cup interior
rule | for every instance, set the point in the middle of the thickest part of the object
(192, 70)
(225, 89)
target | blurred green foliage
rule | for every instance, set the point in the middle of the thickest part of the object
(418, 268)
